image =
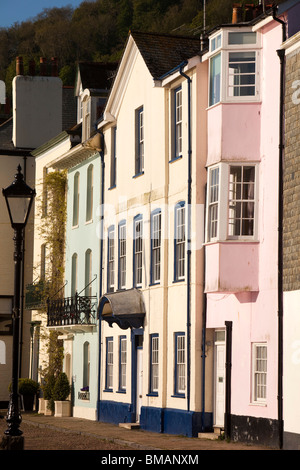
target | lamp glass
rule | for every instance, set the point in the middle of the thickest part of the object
(18, 207)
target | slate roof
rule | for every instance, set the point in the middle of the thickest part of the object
(164, 52)
(97, 75)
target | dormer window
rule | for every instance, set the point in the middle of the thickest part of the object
(234, 66)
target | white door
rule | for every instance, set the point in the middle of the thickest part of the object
(139, 382)
(220, 352)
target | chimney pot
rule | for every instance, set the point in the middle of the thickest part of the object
(19, 66)
(237, 13)
(43, 66)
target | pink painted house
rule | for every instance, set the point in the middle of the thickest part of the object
(241, 239)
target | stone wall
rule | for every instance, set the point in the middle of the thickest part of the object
(291, 179)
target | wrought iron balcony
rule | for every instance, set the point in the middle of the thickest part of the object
(71, 311)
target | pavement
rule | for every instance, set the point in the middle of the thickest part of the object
(134, 438)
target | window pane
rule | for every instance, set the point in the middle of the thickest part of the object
(154, 364)
(178, 122)
(180, 242)
(180, 364)
(138, 251)
(215, 80)
(156, 246)
(111, 260)
(241, 72)
(242, 38)
(122, 256)
(241, 201)
(213, 203)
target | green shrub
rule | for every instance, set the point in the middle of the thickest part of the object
(27, 387)
(62, 387)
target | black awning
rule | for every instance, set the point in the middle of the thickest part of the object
(126, 308)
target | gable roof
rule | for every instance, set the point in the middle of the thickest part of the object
(96, 75)
(164, 52)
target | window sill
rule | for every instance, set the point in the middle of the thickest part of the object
(109, 390)
(152, 394)
(155, 283)
(258, 404)
(138, 174)
(112, 187)
(178, 280)
(88, 222)
(121, 391)
(174, 159)
(75, 226)
(178, 395)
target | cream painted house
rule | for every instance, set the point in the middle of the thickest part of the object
(151, 307)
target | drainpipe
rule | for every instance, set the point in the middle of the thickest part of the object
(101, 267)
(281, 55)
(188, 320)
(228, 379)
(204, 316)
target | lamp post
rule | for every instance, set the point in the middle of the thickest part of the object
(19, 198)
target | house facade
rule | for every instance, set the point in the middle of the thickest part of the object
(152, 287)
(70, 311)
(37, 115)
(241, 249)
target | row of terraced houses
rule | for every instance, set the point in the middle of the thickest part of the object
(178, 309)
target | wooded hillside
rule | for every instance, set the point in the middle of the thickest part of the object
(97, 31)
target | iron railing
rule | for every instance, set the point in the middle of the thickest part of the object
(77, 310)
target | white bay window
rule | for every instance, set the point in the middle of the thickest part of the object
(232, 202)
(234, 65)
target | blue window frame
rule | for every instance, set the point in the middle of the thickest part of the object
(154, 364)
(122, 363)
(122, 256)
(109, 363)
(137, 251)
(139, 146)
(155, 266)
(180, 364)
(111, 259)
(179, 242)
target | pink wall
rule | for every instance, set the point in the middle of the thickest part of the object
(241, 279)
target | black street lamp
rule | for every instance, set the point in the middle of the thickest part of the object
(19, 198)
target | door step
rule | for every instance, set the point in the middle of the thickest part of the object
(211, 435)
(208, 435)
(129, 425)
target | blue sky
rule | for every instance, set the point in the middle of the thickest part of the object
(13, 11)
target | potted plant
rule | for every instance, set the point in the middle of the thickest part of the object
(47, 388)
(28, 388)
(61, 392)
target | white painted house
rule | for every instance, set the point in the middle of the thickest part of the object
(152, 279)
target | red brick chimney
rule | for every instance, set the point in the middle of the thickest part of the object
(19, 66)
(43, 66)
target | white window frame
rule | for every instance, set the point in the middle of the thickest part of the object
(122, 256)
(109, 363)
(224, 48)
(154, 366)
(123, 362)
(259, 373)
(111, 259)
(222, 232)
